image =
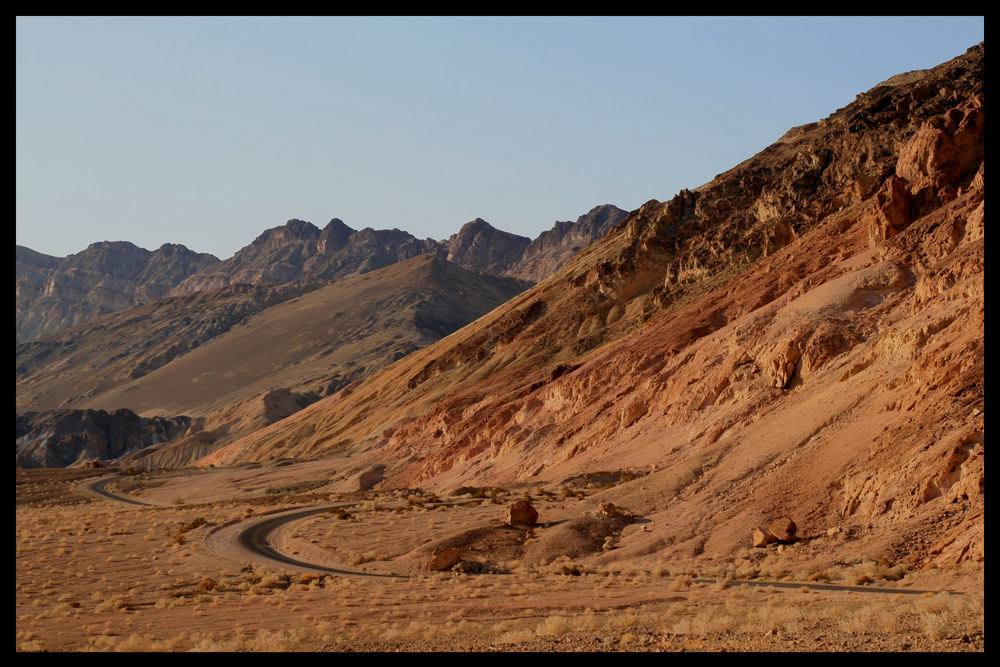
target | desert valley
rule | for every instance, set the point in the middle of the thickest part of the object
(749, 417)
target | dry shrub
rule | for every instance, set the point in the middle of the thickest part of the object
(553, 626)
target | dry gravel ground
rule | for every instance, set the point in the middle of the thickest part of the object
(97, 575)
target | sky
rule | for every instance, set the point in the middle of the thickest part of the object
(206, 131)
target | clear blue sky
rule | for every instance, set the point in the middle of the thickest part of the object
(206, 131)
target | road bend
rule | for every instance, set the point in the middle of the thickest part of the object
(255, 540)
(98, 487)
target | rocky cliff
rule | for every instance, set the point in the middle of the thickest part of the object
(54, 293)
(546, 254)
(803, 335)
(64, 437)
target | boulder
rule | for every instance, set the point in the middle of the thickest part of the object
(783, 529)
(762, 537)
(444, 558)
(370, 478)
(522, 512)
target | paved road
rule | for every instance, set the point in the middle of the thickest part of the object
(97, 487)
(251, 537)
(255, 539)
(815, 586)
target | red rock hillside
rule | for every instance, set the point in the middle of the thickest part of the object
(802, 336)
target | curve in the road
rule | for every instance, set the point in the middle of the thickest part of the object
(98, 487)
(256, 540)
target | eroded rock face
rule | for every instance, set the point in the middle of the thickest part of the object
(54, 293)
(803, 335)
(546, 254)
(58, 438)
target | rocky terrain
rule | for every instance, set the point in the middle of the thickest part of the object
(480, 247)
(300, 250)
(63, 437)
(748, 418)
(53, 293)
(57, 293)
(802, 336)
(553, 248)
(243, 356)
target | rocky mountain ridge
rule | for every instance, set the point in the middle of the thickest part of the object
(56, 293)
(240, 357)
(553, 248)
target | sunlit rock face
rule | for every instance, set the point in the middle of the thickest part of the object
(801, 337)
(54, 293)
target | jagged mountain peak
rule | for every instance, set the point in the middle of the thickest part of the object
(293, 230)
(336, 225)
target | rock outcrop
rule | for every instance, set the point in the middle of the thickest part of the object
(54, 293)
(61, 438)
(444, 558)
(480, 247)
(521, 512)
(552, 248)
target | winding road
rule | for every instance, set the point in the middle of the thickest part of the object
(98, 487)
(250, 538)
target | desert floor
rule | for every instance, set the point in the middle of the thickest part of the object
(96, 574)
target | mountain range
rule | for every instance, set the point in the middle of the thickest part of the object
(801, 336)
(54, 293)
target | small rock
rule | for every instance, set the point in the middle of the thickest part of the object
(522, 512)
(608, 509)
(609, 543)
(444, 558)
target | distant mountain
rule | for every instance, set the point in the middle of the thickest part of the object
(553, 248)
(299, 250)
(213, 354)
(480, 247)
(54, 293)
